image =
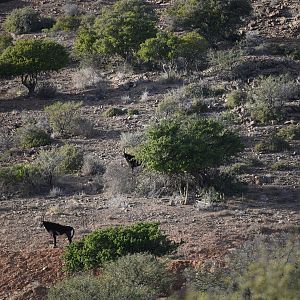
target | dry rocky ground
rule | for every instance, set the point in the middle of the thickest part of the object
(29, 264)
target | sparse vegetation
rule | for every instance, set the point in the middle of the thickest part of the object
(272, 144)
(290, 132)
(114, 111)
(109, 244)
(46, 90)
(235, 98)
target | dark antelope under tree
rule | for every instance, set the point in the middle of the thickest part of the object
(131, 160)
(56, 229)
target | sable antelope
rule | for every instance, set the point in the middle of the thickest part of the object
(56, 229)
(132, 162)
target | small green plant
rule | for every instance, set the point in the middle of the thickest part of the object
(30, 58)
(272, 144)
(265, 100)
(280, 166)
(114, 111)
(22, 20)
(235, 98)
(63, 117)
(72, 159)
(238, 168)
(109, 244)
(132, 111)
(6, 40)
(290, 132)
(32, 136)
(67, 23)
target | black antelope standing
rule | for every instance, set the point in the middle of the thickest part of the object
(56, 229)
(131, 160)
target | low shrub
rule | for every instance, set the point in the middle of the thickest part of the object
(72, 159)
(280, 166)
(235, 98)
(132, 111)
(92, 165)
(32, 136)
(114, 111)
(6, 40)
(63, 116)
(22, 20)
(290, 132)
(84, 127)
(131, 139)
(71, 10)
(135, 277)
(76, 288)
(109, 244)
(87, 77)
(67, 23)
(266, 98)
(46, 90)
(23, 178)
(272, 144)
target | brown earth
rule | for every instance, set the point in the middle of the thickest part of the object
(29, 264)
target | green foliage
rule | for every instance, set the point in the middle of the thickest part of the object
(114, 111)
(215, 19)
(280, 166)
(235, 98)
(32, 136)
(72, 159)
(29, 58)
(135, 277)
(167, 47)
(108, 244)
(179, 145)
(6, 40)
(290, 132)
(272, 144)
(67, 23)
(20, 178)
(76, 288)
(118, 30)
(63, 117)
(22, 20)
(267, 97)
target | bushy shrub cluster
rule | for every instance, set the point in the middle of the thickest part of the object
(25, 20)
(215, 19)
(111, 243)
(32, 136)
(290, 132)
(135, 277)
(67, 23)
(272, 144)
(268, 95)
(65, 120)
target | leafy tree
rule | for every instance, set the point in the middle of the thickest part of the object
(187, 146)
(166, 48)
(29, 58)
(215, 19)
(119, 30)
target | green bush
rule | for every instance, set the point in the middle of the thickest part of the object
(134, 277)
(109, 244)
(290, 132)
(76, 288)
(114, 111)
(118, 30)
(168, 48)
(29, 58)
(32, 136)
(72, 159)
(67, 23)
(63, 117)
(281, 166)
(20, 178)
(235, 98)
(6, 40)
(22, 20)
(188, 144)
(266, 98)
(215, 19)
(272, 144)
